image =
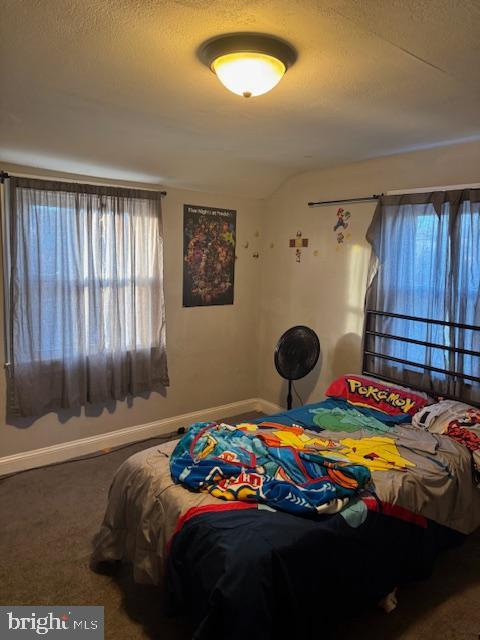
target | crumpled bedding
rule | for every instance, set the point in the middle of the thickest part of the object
(284, 467)
(458, 420)
(146, 507)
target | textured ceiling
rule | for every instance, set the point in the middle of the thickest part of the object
(113, 88)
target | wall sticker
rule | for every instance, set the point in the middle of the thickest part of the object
(341, 225)
(298, 243)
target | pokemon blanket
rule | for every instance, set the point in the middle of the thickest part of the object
(284, 467)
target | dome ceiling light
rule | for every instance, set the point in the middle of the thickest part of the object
(248, 64)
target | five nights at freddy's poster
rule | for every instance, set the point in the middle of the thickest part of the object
(208, 255)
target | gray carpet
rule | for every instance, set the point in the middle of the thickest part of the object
(48, 517)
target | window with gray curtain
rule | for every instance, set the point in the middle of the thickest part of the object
(426, 263)
(85, 308)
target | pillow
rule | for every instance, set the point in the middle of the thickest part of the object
(375, 394)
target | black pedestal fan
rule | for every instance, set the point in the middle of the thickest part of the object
(296, 354)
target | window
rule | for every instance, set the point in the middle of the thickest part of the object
(87, 319)
(427, 248)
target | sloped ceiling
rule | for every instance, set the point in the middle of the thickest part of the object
(113, 88)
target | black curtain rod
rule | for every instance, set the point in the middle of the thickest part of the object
(345, 200)
(4, 176)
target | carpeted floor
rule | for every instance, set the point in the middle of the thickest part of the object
(48, 517)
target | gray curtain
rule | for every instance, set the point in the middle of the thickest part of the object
(86, 310)
(426, 263)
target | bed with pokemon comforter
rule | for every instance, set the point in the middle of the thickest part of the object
(272, 528)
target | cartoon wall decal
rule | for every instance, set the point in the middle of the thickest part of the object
(298, 243)
(342, 219)
(340, 226)
(208, 255)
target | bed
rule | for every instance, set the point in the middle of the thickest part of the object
(255, 566)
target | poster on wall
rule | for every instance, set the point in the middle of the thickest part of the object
(208, 255)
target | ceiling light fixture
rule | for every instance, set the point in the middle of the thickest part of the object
(248, 64)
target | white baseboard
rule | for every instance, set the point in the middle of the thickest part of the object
(92, 444)
(267, 407)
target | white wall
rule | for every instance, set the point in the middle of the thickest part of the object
(327, 292)
(219, 355)
(211, 350)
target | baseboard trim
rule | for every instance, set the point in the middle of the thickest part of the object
(267, 407)
(92, 444)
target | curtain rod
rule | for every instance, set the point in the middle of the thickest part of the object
(321, 203)
(4, 175)
(456, 187)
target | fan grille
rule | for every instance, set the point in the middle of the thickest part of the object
(297, 352)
